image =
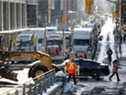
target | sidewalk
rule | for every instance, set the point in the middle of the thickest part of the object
(123, 57)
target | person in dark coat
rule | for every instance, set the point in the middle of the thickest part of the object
(109, 55)
(115, 68)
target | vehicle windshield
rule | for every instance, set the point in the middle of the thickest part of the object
(81, 42)
(54, 42)
(87, 63)
(25, 43)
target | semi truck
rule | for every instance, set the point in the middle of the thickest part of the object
(31, 40)
(81, 40)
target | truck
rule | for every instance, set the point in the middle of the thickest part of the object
(37, 62)
(31, 40)
(57, 42)
(81, 40)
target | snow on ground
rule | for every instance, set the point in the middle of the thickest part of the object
(107, 30)
(23, 76)
(124, 49)
(52, 88)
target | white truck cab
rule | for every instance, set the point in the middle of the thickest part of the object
(81, 39)
(31, 39)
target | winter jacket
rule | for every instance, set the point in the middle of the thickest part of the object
(115, 68)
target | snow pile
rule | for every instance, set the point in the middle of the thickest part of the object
(23, 77)
(107, 32)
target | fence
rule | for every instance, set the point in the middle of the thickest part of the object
(28, 88)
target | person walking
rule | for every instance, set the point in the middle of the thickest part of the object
(71, 69)
(109, 55)
(115, 68)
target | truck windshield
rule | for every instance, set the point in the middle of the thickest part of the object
(54, 42)
(81, 42)
(25, 43)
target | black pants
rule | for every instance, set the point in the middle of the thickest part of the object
(109, 59)
(74, 79)
(115, 73)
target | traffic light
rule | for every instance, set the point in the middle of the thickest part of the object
(88, 6)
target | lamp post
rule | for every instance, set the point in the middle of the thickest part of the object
(45, 34)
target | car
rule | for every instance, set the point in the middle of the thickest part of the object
(92, 68)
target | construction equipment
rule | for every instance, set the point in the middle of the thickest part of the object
(39, 63)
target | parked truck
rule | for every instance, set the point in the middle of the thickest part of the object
(37, 62)
(31, 40)
(81, 40)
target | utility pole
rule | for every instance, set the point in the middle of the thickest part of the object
(45, 35)
(49, 11)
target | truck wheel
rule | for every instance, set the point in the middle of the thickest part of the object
(37, 70)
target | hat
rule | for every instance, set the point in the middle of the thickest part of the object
(115, 61)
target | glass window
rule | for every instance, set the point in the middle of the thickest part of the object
(54, 42)
(40, 41)
(81, 42)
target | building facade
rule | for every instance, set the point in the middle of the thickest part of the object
(70, 10)
(50, 12)
(16, 14)
(15, 17)
(42, 12)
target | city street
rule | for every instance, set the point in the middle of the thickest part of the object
(104, 86)
(62, 47)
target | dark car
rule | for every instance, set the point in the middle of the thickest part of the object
(92, 68)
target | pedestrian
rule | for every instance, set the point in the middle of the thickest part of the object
(71, 69)
(120, 44)
(124, 37)
(115, 68)
(109, 55)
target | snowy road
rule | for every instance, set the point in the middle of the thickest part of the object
(107, 32)
(84, 86)
(87, 86)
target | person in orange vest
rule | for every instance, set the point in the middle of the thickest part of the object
(71, 69)
(115, 70)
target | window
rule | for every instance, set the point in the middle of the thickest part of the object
(40, 41)
(81, 42)
(54, 42)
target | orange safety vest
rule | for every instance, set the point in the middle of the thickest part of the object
(71, 68)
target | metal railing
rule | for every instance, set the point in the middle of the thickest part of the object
(29, 88)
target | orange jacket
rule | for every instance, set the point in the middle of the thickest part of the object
(71, 68)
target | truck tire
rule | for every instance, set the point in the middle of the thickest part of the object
(36, 70)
